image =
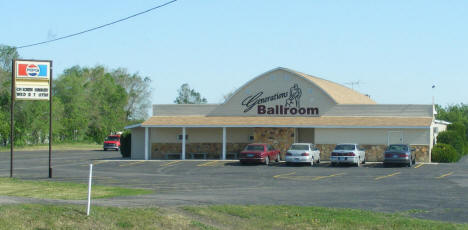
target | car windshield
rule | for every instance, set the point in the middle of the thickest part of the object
(112, 138)
(397, 148)
(345, 147)
(254, 147)
(299, 147)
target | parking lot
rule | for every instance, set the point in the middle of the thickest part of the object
(433, 191)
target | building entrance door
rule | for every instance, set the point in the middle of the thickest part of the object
(395, 137)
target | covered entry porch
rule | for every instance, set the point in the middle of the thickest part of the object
(210, 142)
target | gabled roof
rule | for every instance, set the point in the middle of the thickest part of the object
(338, 93)
(309, 122)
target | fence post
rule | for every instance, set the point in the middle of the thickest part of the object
(89, 187)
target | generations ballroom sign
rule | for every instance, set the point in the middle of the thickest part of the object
(290, 106)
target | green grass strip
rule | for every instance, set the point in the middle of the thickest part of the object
(55, 146)
(62, 190)
(299, 217)
(37, 216)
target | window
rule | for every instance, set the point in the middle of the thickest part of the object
(299, 147)
(399, 148)
(254, 148)
(345, 147)
(179, 137)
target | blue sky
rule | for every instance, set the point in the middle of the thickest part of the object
(396, 49)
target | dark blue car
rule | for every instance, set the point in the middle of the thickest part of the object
(400, 154)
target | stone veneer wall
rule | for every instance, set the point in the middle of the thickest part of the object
(214, 150)
(375, 152)
(279, 138)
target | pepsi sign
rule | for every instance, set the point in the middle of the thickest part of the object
(32, 70)
(32, 79)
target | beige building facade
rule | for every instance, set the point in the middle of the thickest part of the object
(281, 107)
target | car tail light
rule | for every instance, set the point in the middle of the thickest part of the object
(333, 154)
(403, 155)
(349, 154)
(288, 154)
(305, 154)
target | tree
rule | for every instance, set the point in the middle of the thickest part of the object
(7, 54)
(93, 103)
(138, 92)
(189, 96)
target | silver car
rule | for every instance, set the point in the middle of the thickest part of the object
(303, 153)
(348, 154)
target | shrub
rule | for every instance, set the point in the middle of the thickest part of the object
(452, 138)
(459, 128)
(444, 153)
(126, 144)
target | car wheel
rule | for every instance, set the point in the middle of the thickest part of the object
(312, 162)
(410, 163)
(358, 164)
(105, 149)
(364, 161)
(278, 158)
(333, 164)
(267, 160)
(414, 161)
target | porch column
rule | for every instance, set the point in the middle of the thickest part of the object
(183, 144)
(224, 143)
(146, 144)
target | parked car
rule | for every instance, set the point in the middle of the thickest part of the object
(259, 153)
(348, 154)
(112, 142)
(303, 153)
(399, 154)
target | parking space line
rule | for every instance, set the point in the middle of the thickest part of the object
(445, 175)
(419, 165)
(132, 163)
(209, 163)
(284, 175)
(386, 176)
(333, 175)
(98, 162)
(170, 163)
(310, 178)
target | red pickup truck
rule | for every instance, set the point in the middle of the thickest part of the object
(112, 142)
(259, 153)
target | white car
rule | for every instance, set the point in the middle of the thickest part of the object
(303, 153)
(349, 154)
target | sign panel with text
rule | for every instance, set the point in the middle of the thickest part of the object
(32, 80)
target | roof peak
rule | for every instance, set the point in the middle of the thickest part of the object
(339, 93)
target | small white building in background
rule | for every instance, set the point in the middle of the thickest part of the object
(281, 107)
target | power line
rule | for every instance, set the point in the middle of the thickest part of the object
(98, 27)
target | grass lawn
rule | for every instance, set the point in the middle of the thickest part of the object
(61, 190)
(61, 146)
(298, 217)
(36, 216)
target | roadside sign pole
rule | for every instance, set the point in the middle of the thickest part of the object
(30, 80)
(89, 188)
(12, 114)
(50, 122)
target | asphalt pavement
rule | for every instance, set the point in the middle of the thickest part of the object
(430, 191)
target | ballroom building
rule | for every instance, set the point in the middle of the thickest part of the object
(280, 107)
